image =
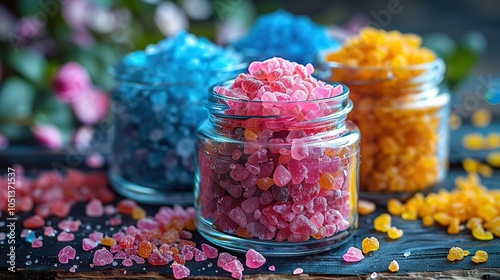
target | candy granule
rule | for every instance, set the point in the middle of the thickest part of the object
(369, 244)
(94, 208)
(394, 266)
(473, 141)
(254, 259)
(65, 237)
(457, 254)
(493, 159)
(271, 268)
(37, 243)
(304, 38)
(180, 271)
(455, 121)
(481, 117)
(395, 207)
(492, 141)
(88, 244)
(102, 257)
(366, 207)
(382, 223)
(108, 241)
(480, 256)
(353, 254)
(34, 222)
(394, 233)
(209, 251)
(298, 271)
(66, 253)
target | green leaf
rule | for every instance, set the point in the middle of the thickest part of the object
(16, 98)
(54, 112)
(29, 64)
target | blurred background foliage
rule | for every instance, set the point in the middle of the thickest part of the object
(38, 37)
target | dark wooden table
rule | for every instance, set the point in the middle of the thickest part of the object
(428, 248)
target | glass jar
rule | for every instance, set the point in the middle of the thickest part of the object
(154, 132)
(281, 183)
(402, 114)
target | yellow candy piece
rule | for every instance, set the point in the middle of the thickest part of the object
(481, 117)
(250, 135)
(395, 207)
(492, 141)
(485, 170)
(394, 266)
(480, 234)
(427, 221)
(480, 256)
(493, 159)
(470, 165)
(138, 213)
(454, 226)
(409, 215)
(108, 241)
(394, 233)
(473, 141)
(382, 223)
(473, 223)
(369, 244)
(457, 254)
(366, 207)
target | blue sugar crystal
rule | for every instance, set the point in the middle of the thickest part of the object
(30, 237)
(283, 34)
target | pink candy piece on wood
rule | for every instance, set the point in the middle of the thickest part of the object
(353, 254)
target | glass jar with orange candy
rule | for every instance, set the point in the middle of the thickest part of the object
(399, 107)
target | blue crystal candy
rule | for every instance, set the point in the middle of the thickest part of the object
(285, 35)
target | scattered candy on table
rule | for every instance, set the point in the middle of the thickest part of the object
(353, 254)
(457, 254)
(369, 244)
(303, 38)
(393, 266)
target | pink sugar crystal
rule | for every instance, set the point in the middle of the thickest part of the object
(115, 221)
(224, 258)
(115, 248)
(239, 173)
(66, 253)
(254, 259)
(302, 225)
(237, 274)
(37, 243)
(127, 262)
(88, 244)
(72, 269)
(94, 208)
(147, 224)
(353, 254)
(118, 235)
(65, 237)
(102, 257)
(49, 231)
(250, 205)
(238, 216)
(137, 259)
(298, 271)
(69, 225)
(180, 271)
(96, 236)
(199, 255)
(272, 268)
(281, 176)
(209, 251)
(120, 255)
(299, 149)
(109, 210)
(156, 258)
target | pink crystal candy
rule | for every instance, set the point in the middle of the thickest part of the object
(115, 248)
(298, 271)
(72, 269)
(118, 235)
(250, 205)
(297, 170)
(147, 224)
(115, 221)
(120, 255)
(102, 257)
(88, 244)
(238, 216)
(37, 243)
(96, 236)
(109, 210)
(127, 262)
(94, 208)
(233, 266)
(302, 225)
(199, 255)
(254, 259)
(66, 253)
(137, 259)
(209, 251)
(236, 154)
(69, 225)
(353, 255)
(281, 176)
(49, 231)
(156, 258)
(65, 237)
(180, 271)
(299, 149)
(272, 268)
(224, 258)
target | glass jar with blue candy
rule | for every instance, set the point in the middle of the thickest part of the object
(157, 105)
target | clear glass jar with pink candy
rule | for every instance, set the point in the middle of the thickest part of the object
(277, 163)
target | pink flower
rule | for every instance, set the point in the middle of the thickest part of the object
(91, 106)
(76, 13)
(70, 81)
(49, 136)
(4, 142)
(83, 136)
